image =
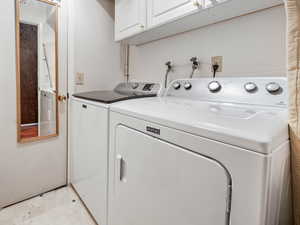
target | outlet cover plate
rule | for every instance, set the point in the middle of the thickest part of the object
(217, 60)
(79, 79)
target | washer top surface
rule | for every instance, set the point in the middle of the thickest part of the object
(124, 91)
(108, 97)
(259, 125)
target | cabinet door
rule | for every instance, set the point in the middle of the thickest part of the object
(89, 152)
(130, 18)
(159, 183)
(160, 12)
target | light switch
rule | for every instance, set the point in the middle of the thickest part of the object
(79, 79)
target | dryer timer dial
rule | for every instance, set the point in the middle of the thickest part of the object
(250, 87)
(176, 85)
(273, 87)
(214, 86)
(187, 86)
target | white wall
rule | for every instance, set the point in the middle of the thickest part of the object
(92, 48)
(252, 45)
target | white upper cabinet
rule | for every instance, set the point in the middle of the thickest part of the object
(141, 21)
(130, 18)
(160, 12)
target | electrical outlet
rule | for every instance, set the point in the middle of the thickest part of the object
(79, 79)
(217, 60)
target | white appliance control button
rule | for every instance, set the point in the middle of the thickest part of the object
(134, 85)
(273, 87)
(250, 87)
(187, 86)
(214, 86)
(176, 85)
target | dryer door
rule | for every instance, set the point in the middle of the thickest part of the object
(159, 183)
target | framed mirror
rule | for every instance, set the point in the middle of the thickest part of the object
(37, 69)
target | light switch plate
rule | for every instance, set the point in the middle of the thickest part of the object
(217, 60)
(79, 78)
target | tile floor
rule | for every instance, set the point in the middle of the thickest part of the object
(60, 207)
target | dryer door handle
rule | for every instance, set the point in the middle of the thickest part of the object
(121, 168)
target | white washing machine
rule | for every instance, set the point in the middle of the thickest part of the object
(209, 152)
(89, 142)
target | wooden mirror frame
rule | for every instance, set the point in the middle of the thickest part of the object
(18, 73)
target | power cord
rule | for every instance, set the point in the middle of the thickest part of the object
(215, 69)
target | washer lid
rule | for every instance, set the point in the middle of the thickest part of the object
(122, 92)
(109, 97)
(260, 129)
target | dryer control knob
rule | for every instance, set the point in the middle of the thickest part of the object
(273, 87)
(250, 87)
(134, 85)
(187, 86)
(214, 86)
(176, 85)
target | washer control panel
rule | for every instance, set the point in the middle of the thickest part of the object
(135, 85)
(148, 87)
(138, 88)
(248, 90)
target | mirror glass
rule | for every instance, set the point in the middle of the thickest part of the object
(36, 69)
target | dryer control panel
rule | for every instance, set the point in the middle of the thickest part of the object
(266, 91)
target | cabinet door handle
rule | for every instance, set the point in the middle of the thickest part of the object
(84, 106)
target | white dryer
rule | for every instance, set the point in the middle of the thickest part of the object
(209, 152)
